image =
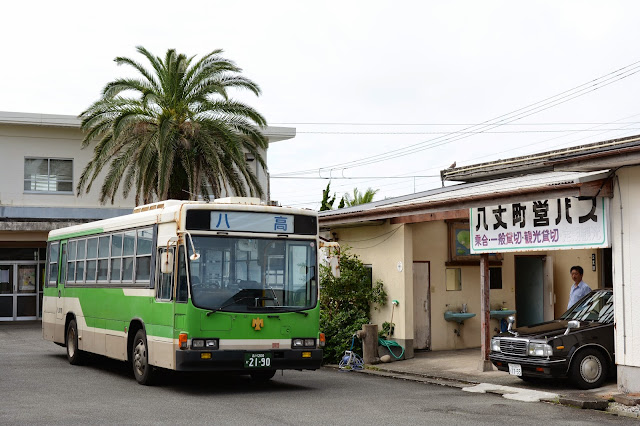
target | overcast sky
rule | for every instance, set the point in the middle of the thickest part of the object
(396, 75)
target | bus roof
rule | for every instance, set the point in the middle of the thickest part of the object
(170, 211)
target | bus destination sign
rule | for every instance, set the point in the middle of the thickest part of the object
(251, 222)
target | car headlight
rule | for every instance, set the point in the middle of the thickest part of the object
(540, 349)
(495, 345)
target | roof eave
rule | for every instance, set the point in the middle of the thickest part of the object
(274, 134)
(427, 211)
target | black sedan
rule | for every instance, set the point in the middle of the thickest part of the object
(579, 345)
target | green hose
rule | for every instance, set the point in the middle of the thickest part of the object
(389, 344)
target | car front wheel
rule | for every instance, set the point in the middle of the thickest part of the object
(589, 369)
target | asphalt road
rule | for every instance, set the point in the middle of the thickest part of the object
(38, 386)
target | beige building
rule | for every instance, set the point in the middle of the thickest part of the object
(45, 150)
(412, 243)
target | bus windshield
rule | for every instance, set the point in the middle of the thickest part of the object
(253, 274)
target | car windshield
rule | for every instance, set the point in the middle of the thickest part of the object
(253, 274)
(597, 306)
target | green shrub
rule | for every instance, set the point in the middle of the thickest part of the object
(345, 304)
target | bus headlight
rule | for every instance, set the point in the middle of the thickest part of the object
(211, 343)
(303, 343)
(197, 343)
(540, 349)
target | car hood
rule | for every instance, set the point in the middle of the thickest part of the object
(548, 329)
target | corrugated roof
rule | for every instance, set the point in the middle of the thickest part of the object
(456, 193)
(539, 162)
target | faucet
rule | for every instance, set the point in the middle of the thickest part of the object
(464, 308)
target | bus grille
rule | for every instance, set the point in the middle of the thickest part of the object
(513, 347)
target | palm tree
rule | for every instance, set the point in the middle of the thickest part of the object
(179, 136)
(359, 197)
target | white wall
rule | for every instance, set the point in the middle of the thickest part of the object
(625, 227)
(20, 141)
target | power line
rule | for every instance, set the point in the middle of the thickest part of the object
(459, 133)
(619, 121)
(453, 136)
(448, 124)
(515, 115)
(351, 177)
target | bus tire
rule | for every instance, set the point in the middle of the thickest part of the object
(74, 355)
(142, 370)
(262, 376)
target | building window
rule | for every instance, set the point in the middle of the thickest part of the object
(369, 276)
(48, 175)
(453, 279)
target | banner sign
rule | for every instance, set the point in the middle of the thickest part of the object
(251, 222)
(547, 224)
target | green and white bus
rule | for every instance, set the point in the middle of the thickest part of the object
(228, 285)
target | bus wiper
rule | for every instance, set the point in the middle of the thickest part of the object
(306, 314)
(228, 304)
(275, 298)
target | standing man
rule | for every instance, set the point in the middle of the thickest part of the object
(579, 287)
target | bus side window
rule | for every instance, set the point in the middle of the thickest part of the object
(182, 293)
(52, 280)
(165, 281)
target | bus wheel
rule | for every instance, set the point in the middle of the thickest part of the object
(74, 355)
(262, 376)
(140, 359)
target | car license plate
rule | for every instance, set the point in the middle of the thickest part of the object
(257, 360)
(515, 369)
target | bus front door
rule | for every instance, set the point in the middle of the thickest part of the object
(60, 315)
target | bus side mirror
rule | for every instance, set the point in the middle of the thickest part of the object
(166, 262)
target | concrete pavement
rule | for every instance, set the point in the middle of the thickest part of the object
(459, 369)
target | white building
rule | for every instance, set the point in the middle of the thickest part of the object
(41, 160)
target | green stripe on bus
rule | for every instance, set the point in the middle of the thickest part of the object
(110, 309)
(77, 234)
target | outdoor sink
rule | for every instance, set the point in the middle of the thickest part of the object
(458, 317)
(502, 313)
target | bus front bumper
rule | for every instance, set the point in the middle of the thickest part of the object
(235, 360)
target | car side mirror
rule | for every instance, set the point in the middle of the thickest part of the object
(572, 324)
(510, 320)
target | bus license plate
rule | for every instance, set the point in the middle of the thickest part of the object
(257, 360)
(515, 369)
